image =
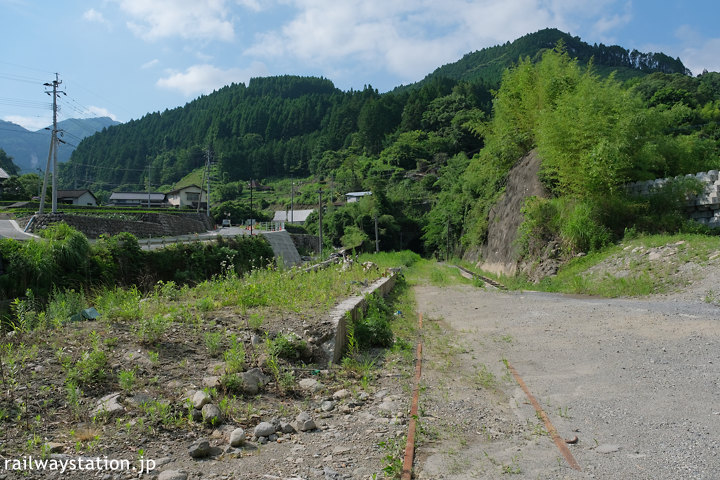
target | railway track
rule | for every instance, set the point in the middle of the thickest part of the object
(482, 278)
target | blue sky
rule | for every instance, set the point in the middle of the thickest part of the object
(126, 58)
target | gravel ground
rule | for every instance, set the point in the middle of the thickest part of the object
(636, 380)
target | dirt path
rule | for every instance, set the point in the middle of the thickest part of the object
(635, 380)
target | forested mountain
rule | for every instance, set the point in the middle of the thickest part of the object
(487, 65)
(282, 126)
(436, 154)
(29, 150)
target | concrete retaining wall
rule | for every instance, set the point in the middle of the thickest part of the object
(283, 247)
(704, 208)
(352, 309)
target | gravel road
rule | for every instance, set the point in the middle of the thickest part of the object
(637, 381)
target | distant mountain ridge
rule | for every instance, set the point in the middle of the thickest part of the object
(29, 150)
(488, 64)
(283, 126)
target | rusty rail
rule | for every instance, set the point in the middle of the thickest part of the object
(410, 444)
(485, 279)
(559, 441)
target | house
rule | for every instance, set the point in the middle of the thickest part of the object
(352, 197)
(187, 196)
(77, 197)
(294, 216)
(137, 199)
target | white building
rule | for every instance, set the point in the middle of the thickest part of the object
(187, 196)
(137, 199)
(294, 216)
(352, 197)
(77, 197)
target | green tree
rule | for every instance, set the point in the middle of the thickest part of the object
(6, 163)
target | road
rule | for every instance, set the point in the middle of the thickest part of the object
(10, 229)
(635, 380)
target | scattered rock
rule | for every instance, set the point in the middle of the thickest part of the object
(237, 437)
(108, 405)
(310, 385)
(264, 429)
(253, 380)
(172, 475)
(211, 414)
(200, 399)
(304, 423)
(286, 427)
(341, 394)
(197, 415)
(331, 474)
(327, 406)
(54, 447)
(139, 399)
(199, 449)
(211, 381)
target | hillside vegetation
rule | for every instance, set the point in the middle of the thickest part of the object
(435, 154)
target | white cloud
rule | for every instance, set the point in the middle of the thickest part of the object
(205, 78)
(93, 111)
(30, 123)
(703, 56)
(408, 37)
(93, 15)
(203, 19)
(150, 64)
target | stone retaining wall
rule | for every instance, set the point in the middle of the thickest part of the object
(150, 225)
(305, 242)
(704, 208)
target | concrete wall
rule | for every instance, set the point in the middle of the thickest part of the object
(150, 225)
(704, 208)
(283, 247)
(352, 309)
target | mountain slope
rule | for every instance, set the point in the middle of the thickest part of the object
(29, 150)
(290, 125)
(488, 64)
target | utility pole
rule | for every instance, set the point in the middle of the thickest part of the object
(320, 242)
(447, 252)
(292, 200)
(251, 206)
(52, 153)
(207, 167)
(377, 239)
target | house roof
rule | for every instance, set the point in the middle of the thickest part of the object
(178, 190)
(3, 174)
(358, 194)
(143, 196)
(297, 215)
(73, 193)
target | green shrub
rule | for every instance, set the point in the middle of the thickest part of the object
(288, 346)
(235, 356)
(63, 305)
(119, 303)
(374, 330)
(580, 230)
(91, 365)
(213, 343)
(150, 329)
